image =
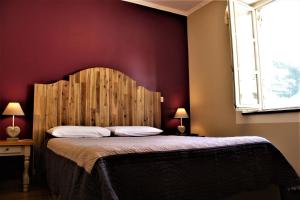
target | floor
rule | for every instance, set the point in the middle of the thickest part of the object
(12, 190)
(11, 171)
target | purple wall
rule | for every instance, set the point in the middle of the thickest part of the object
(42, 41)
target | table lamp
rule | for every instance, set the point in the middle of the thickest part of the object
(181, 113)
(14, 109)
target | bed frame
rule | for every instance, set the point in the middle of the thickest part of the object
(97, 96)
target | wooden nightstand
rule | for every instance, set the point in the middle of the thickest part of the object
(190, 134)
(196, 135)
(185, 134)
(18, 148)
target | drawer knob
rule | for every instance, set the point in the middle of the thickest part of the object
(7, 149)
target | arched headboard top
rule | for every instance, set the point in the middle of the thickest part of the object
(97, 96)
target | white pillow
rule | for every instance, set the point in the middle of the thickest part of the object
(134, 130)
(78, 131)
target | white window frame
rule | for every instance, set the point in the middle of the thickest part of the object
(244, 108)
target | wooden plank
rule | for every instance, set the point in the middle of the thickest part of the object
(140, 106)
(94, 87)
(72, 101)
(39, 114)
(157, 109)
(89, 99)
(104, 96)
(120, 99)
(59, 103)
(126, 102)
(51, 106)
(133, 103)
(39, 125)
(148, 114)
(65, 104)
(97, 97)
(83, 96)
(62, 102)
(113, 100)
(78, 101)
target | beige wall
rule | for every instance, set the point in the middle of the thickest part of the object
(211, 88)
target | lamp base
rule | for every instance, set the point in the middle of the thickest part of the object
(181, 129)
(13, 131)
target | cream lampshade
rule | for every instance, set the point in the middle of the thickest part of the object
(181, 113)
(14, 109)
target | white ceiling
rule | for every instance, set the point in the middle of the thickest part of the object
(183, 7)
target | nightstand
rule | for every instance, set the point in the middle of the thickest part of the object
(196, 135)
(18, 148)
(193, 135)
(185, 134)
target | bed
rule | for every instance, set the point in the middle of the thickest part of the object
(133, 168)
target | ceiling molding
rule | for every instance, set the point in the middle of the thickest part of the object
(169, 9)
(156, 6)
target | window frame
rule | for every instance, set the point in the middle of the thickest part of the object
(231, 16)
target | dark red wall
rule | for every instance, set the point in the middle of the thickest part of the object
(42, 41)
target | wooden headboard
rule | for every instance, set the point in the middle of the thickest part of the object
(93, 97)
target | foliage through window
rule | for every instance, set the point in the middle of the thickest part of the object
(265, 38)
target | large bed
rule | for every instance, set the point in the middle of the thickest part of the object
(141, 168)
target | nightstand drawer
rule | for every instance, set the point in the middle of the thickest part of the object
(10, 149)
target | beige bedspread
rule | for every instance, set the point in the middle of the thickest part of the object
(86, 151)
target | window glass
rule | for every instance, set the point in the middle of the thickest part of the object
(279, 43)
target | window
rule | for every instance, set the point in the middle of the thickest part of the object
(265, 38)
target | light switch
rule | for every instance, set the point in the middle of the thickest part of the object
(161, 99)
